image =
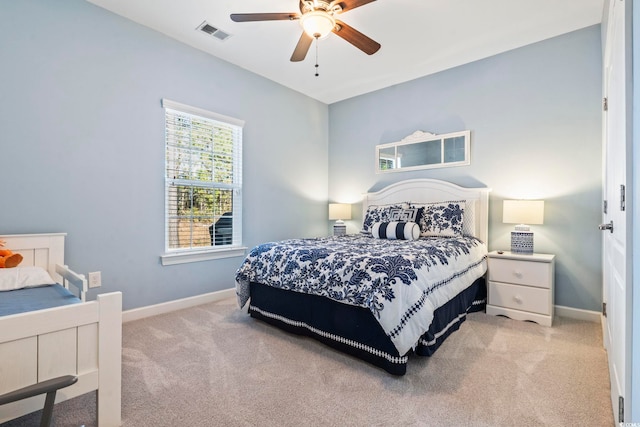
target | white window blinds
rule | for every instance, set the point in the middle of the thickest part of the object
(203, 178)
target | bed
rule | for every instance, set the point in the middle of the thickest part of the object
(374, 294)
(48, 339)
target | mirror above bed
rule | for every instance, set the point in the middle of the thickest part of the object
(424, 150)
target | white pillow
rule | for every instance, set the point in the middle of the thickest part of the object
(23, 277)
(469, 219)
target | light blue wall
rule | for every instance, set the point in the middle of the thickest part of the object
(82, 144)
(535, 118)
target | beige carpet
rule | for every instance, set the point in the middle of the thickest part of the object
(213, 365)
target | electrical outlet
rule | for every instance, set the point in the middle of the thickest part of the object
(95, 279)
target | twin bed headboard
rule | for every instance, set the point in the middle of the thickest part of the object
(433, 190)
(42, 250)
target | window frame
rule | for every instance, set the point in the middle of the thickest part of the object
(236, 249)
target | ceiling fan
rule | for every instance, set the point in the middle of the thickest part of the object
(317, 18)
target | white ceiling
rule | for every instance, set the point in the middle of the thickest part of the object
(418, 37)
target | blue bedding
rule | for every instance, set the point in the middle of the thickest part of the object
(401, 283)
(39, 298)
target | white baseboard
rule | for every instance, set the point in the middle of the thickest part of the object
(167, 307)
(578, 314)
(179, 304)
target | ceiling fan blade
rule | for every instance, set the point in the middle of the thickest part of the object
(249, 17)
(352, 4)
(356, 38)
(302, 47)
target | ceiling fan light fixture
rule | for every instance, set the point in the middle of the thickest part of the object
(317, 24)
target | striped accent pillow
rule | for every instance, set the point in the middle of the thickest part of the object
(396, 230)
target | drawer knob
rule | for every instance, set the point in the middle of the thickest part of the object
(518, 274)
(518, 299)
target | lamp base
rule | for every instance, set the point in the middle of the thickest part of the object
(340, 229)
(522, 242)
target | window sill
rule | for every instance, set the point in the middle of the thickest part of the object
(205, 255)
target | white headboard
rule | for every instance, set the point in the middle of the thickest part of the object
(42, 250)
(433, 190)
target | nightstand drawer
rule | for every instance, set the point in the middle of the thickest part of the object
(535, 300)
(520, 272)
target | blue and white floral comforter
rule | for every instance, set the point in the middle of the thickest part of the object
(402, 282)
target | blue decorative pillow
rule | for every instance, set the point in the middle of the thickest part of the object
(442, 219)
(379, 213)
(404, 215)
(395, 230)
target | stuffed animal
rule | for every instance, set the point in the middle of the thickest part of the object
(7, 258)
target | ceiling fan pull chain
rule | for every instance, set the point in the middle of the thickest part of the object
(317, 57)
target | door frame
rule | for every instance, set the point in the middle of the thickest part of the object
(633, 193)
(631, 34)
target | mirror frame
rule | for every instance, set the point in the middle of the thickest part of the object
(420, 137)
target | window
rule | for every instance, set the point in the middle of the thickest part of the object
(203, 184)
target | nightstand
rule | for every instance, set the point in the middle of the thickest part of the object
(521, 286)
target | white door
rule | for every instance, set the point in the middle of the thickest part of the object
(614, 225)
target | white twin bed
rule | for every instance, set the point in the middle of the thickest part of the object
(82, 339)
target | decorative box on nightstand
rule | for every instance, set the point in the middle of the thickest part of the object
(521, 286)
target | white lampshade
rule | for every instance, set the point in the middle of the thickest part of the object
(339, 211)
(317, 24)
(523, 212)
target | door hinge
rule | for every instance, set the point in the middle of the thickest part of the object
(604, 206)
(620, 409)
(622, 198)
(605, 104)
(604, 309)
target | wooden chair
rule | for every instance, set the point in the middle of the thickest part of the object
(50, 387)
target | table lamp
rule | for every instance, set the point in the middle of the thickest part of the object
(523, 213)
(339, 212)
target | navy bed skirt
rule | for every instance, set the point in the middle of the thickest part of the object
(354, 330)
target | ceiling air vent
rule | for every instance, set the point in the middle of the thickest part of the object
(213, 31)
